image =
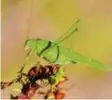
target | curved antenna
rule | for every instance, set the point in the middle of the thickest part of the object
(29, 27)
(30, 19)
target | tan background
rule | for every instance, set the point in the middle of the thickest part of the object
(50, 19)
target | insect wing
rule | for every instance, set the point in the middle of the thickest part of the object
(79, 58)
(68, 56)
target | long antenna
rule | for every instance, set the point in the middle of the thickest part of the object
(29, 26)
(30, 19)
(68, 32)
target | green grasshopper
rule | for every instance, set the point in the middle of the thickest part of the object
(54, 53)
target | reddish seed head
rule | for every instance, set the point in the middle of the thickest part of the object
(52, 69)
(55, 69)
(22, 97)
(31, 92)
(33, 89)
(65, 79)
(59, 94)
(33, 71)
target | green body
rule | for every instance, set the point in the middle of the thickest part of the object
(53, 52)
(59, 54)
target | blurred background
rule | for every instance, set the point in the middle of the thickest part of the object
(49, 19)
